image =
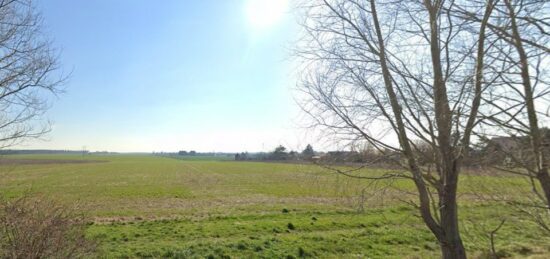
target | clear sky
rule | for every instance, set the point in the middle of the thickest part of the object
(206, 75)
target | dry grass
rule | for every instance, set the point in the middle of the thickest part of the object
(37, 227)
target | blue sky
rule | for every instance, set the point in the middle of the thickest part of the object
(207, 75)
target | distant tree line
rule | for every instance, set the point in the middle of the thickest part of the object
(280, 153)
(185, 153)
(497, 151)
(193, 153)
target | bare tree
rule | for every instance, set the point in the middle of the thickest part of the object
(28, 73)
(398, 73)
(519, 106)
(528, 22)
(31, 227)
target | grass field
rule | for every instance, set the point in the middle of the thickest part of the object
(146, 206)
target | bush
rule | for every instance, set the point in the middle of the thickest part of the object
(290, 226)
(34, 227)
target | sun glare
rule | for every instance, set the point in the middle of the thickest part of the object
(262, 14)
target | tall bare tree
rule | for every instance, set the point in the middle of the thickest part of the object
(397, 73)
(28, 72)
(520, 106)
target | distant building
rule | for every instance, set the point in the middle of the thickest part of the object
(514, 149)
(505, 150)
(505, 143)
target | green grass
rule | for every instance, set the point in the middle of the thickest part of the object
(202, 158)
(146, 206)
(273, 235)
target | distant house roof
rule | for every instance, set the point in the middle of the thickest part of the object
(506, 143)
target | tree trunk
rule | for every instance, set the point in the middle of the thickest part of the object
(544, 179)
(534, 130)
(451, 244)
(424, 197)
(451, 251)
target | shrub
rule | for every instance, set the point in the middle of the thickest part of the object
(290, 226)
(301, 252)
(241, 246)
(34, 227)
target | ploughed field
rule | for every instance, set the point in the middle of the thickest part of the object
(147, 206)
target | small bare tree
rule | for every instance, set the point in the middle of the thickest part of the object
(395, 74)
(28, 73)
(31, 227)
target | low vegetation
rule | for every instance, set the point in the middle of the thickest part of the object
(37, 227)
(146, 206)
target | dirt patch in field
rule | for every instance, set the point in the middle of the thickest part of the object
(8, 161)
